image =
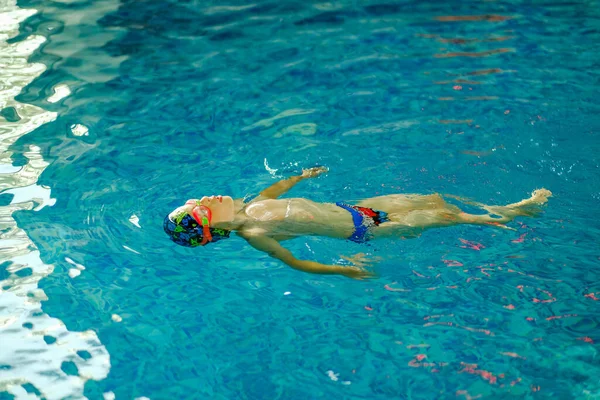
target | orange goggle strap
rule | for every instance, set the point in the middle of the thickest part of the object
(204, 221)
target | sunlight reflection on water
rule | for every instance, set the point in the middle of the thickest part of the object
(37, 350)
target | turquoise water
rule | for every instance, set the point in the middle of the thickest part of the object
(168, 100)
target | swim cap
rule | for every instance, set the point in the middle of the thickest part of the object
(185, 231)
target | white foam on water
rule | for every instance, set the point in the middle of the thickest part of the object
(35, 348)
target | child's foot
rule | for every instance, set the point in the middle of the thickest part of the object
(541, 195)
(530, 207)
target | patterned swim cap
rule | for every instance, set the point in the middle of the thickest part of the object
(185, 231)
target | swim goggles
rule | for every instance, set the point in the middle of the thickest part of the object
(203, 217)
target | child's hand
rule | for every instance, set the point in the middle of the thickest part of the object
(360, 267)
(358, 273)
(313, 172)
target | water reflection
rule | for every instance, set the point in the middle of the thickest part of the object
(38, 353)
(197, 103)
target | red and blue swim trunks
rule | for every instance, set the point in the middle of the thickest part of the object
(363, 218)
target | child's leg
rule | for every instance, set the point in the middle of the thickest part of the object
(528, 207)
(404, 203)
(451, 215)
(499, 215)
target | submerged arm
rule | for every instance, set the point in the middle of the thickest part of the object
(282, 187)
(276, 250)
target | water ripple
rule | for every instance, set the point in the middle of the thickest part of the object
(37, 350)
(171, 100)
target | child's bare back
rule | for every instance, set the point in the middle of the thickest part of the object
(267, 220)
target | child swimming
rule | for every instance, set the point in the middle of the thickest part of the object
(266, 220)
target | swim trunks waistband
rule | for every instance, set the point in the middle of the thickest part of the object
(363, 219)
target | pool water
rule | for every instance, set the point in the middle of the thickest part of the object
(125, 109)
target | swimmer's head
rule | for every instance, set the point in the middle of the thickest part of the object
(190, 224)
(185, 231)
(221, 207)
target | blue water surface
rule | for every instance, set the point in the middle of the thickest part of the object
(487, 100)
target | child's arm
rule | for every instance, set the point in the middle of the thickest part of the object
(281, 187)
(275, 250)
